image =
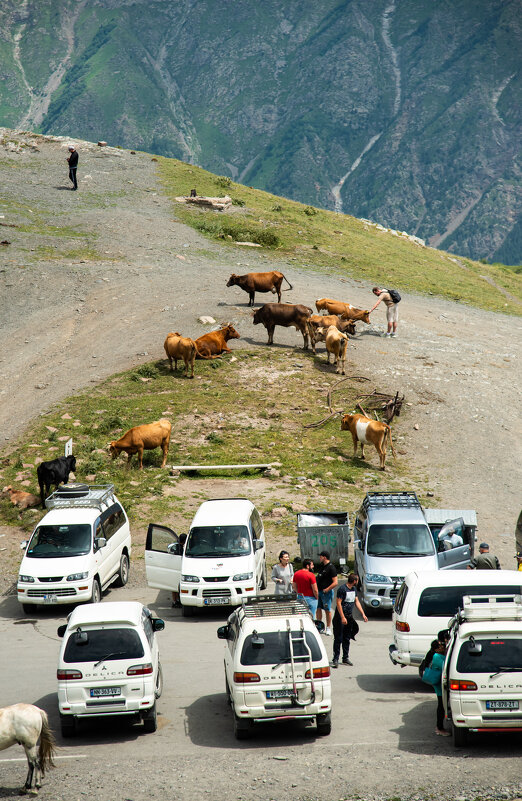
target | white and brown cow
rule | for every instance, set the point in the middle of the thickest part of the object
(336, 343)
(325, 321)
(368, 432)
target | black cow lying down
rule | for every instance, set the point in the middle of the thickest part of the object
(54, 472)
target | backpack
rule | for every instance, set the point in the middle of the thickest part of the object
(394, 295)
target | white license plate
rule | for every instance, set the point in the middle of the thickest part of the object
(209, 601)
(502, 704)
(50, 599)
(99, 692)
(279, 693)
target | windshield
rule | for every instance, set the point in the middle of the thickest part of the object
(400, 540)
(445, 601)
(49, 542)
(103, 643)
(216, 541)
(277, 649)
(497, 655)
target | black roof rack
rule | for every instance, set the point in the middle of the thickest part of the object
(381, 500)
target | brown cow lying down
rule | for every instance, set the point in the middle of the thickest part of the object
(143, 438)
(368, 432)
(178, 347)
(213, 344)
(284, 314)
(345, 310)
(317, 321)
(19, 498)
(336, 343)
(259, 282)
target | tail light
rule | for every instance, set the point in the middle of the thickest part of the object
(319, 673)
(246, 678)
(68, 675)
(400, 626)
(140, 670)
(462, 685)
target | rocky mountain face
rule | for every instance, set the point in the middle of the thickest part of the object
(406, 112)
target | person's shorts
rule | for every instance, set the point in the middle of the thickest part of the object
(311, 602)
(392, 313)
(325, 600)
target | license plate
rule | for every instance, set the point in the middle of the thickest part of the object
(279, 693)
(501, 704)
(209, 601)
(99, 692)
(50, 599)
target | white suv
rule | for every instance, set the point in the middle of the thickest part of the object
(482, 676)
(109, 664)
(80, 547)
(276, 667)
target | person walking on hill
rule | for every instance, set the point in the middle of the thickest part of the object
(391, 299)
(305, 585)
(326, 583)
(485, 560)
(73, 166)
(344, 626)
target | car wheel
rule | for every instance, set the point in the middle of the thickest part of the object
(123, 573)
(324, 724)
(150, 719)
(263, 577)
(96, 592)
(460, 736)
(29, 609)
(187, 611)
(68, 725)
(159, 682)
(241, 728)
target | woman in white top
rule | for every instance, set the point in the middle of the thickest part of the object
(282, 574)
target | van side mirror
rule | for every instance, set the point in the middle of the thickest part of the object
(258, 544)
(23, 545)
(319, 625)
(174, 548)
(100, 542)
(61, 630)
(157, 624)
(223, 632)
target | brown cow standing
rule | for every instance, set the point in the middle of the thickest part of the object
(345, 310)
(368, 432)
(144, 437)
(260, 282)
(285, 315)
(178, 347)
(213, 344)
(19, 498)
(317, 321)
(336, 343)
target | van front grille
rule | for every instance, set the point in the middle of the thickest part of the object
(216, 578)
(222, 592)
(56, 579)
(59, 591)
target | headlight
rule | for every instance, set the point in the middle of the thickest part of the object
(77, 576)
(26, 579)
(242, 577)
(376, 578)
(189, 578)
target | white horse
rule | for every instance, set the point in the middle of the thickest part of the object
(24, 724)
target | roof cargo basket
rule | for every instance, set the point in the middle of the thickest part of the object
(273, 606)
(83, 495)
(491, 607)
(386, 500)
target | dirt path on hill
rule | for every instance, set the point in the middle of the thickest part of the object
(70, 321)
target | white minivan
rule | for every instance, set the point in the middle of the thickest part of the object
(80, 547)
(428, 599)
(223, 559)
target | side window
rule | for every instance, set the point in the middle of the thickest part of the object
(98, 528)
(147, 627)
(257, 526)
(401, 597)
(108, 521)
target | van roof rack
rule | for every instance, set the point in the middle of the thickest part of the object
(491, 607)
(390, 499)
(93, 495)
(273, 606)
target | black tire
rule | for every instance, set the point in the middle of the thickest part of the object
(262, 586)
(242, 728)
(150, 720)
(68, 725)
(159, 682)
(187, 611)
(324, 725)
(96, 592)
(123, 573)
(460, 736)
(29, 609)
(73, 490)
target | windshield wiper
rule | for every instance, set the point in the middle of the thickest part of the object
(109, 656)
(506, 670)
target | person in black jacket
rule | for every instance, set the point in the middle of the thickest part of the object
(73, 164)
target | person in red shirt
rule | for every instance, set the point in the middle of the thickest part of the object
(305, 585)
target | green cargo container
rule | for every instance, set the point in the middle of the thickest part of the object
(324, 531)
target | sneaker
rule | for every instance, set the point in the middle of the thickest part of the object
(334, 663)
(393, 335)
(386, 335)
(328, 632)
(443, 732)
(347, 662)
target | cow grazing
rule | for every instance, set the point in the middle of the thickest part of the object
(178, 347)
(325, 321)
(368, 432)
(213, 344)
(56, 472)
(284, 314)
(143, 438)
(260, 282)
(336, 343)
(345, 310)
(23, 500)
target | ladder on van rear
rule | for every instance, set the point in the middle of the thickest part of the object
(301, 638)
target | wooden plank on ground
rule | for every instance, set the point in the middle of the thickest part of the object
(225, 466)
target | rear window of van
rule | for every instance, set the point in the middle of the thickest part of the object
(276, 649)
(445, 601)
(499, 655)
(100, 644)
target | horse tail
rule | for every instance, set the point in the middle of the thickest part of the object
(391, 443)
(289, 284)
(47, 748)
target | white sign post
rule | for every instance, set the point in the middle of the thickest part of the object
(68, 447)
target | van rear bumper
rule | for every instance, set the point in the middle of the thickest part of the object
(404, 658)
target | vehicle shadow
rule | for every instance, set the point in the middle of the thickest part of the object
(399, 683)
(209, 723)
(11, 609)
